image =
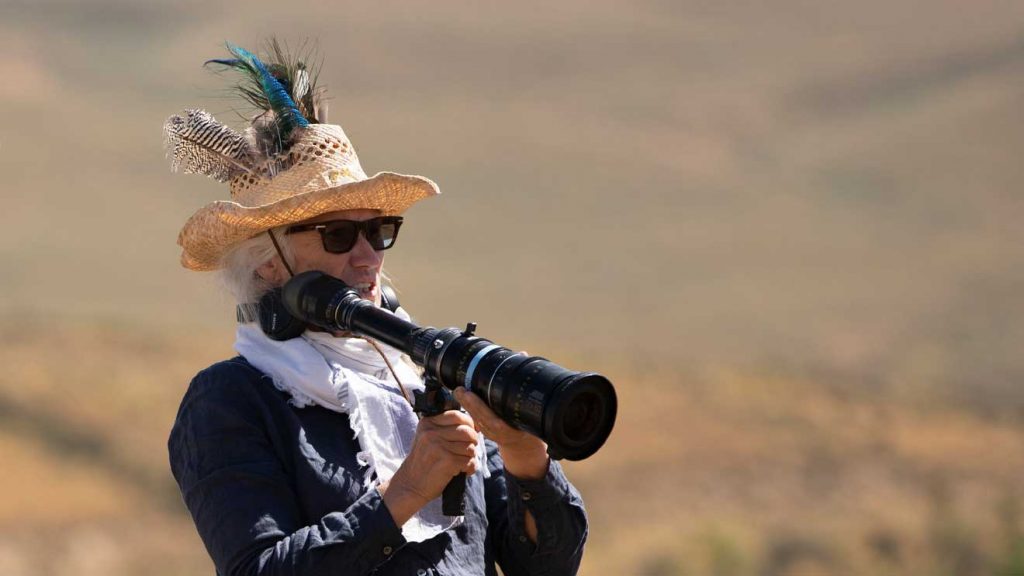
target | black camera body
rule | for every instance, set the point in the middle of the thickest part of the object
(573, 412)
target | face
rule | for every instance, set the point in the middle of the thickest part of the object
(359, 267)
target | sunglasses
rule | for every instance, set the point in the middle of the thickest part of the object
(339, 236)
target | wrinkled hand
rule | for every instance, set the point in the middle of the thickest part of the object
(524, 454)
(444, 446)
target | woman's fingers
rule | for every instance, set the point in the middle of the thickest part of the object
(449, 418)
(459, 438)
(485, 419)
(460, 433)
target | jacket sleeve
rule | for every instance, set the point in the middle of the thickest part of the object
(244, 506)
(557, 509)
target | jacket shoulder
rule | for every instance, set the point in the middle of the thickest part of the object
(226, 418)
(233, 382)
(235, 372)
(232, 368)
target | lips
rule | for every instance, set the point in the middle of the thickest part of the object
(366, 290)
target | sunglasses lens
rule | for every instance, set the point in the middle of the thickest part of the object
(339, 237)
(381, 232)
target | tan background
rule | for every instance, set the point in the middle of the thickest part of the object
(790, 233)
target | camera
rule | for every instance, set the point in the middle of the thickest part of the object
(573, 412)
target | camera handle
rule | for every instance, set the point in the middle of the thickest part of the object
(434, 400)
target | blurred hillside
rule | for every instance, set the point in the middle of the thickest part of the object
(789, 232)
(820, 187)
(717, 473)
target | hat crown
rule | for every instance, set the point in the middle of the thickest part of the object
(322, 157)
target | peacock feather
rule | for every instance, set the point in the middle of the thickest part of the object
(198, 144)
(271, 94)
(298, 74)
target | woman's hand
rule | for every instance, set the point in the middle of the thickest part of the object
(524, 454)
(445, 445)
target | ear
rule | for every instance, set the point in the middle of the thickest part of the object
(272, 271)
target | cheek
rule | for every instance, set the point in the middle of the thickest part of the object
(306, 254)
(332, 264)
(335, 264)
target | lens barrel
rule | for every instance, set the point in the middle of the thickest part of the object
(573, 412)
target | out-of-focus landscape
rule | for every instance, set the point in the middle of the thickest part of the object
(790, 233)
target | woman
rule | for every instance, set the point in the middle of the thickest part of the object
(303, 456)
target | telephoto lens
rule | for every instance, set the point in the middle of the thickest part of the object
(573, 412)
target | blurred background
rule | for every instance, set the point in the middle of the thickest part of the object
(789, 232)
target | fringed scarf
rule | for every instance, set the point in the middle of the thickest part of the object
(349, 376)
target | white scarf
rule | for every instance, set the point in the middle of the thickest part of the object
(347, 375)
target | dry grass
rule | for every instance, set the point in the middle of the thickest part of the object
(718, 472)
(754, 472)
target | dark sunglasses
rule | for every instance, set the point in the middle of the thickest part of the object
(339, 236)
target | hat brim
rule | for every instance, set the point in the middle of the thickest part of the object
(217, 227)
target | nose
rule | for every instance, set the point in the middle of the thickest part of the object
(363, 254)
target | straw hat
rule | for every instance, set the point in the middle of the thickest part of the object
(282, 170)
(325, 176)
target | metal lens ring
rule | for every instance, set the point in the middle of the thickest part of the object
(468, 382)
(347, 302)
(435, 352)
(500, 371)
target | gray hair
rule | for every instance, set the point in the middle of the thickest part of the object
(239, 265)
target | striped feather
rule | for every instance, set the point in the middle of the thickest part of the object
(198, 144)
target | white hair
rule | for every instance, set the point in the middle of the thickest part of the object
(239, 265)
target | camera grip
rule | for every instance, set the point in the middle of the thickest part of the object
(453, 499)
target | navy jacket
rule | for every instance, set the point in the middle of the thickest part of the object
(275, 489)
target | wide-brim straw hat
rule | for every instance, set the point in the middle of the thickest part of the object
(321, 174)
